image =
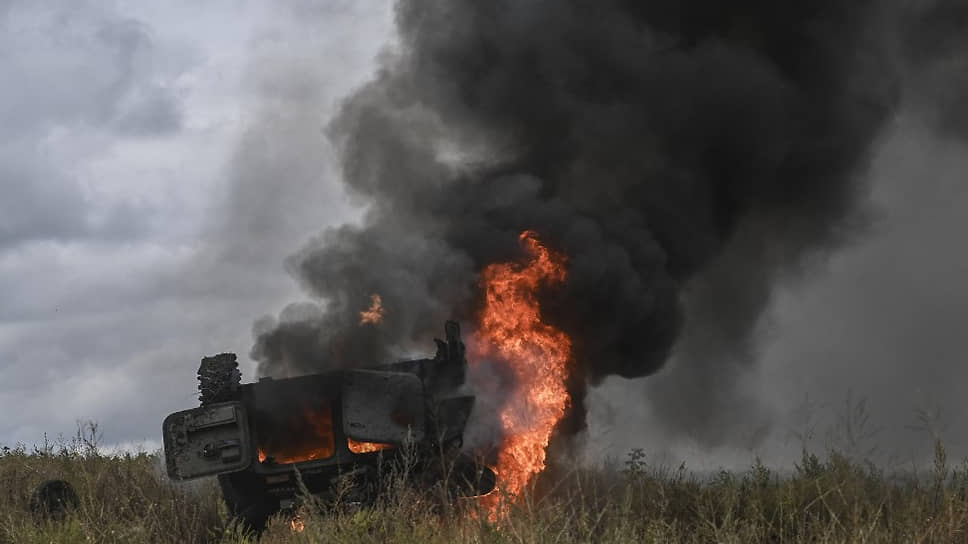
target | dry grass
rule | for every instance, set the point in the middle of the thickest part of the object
(126, 498)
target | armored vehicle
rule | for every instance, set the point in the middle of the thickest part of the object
(271, 441)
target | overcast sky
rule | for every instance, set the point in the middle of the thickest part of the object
(159, 160)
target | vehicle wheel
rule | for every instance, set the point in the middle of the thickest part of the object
(218, 378)
(53, 499)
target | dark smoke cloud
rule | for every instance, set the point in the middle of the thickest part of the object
(934, 45)
(683, 154)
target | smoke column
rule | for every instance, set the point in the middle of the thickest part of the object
(684, 155)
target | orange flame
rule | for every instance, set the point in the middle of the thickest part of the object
(511, 330)
(374, 314)
(296, 524)
(317, 440)
(356, 446)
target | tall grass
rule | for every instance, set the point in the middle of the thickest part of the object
(125, 497)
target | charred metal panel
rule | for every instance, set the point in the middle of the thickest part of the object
(451, 417)
(446, 372)
(208, 440)
(383, 407)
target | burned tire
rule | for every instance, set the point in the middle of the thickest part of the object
(470, 478)
(218, 379)
(53, 499)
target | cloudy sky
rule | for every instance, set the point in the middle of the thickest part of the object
(159, 161)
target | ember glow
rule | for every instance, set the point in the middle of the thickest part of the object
(356, 446)
(374, 314)
(296, 524)
(314, 428)
(511, 330)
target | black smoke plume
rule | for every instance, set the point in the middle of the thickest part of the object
(683, 154)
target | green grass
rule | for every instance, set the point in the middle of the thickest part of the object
(126, 498)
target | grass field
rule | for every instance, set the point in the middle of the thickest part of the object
(126, 498)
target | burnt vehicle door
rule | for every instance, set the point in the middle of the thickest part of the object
(206, 441)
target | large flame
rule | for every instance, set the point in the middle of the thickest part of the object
(511, 330)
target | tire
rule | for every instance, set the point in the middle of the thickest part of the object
(218, 379)
(53, 499)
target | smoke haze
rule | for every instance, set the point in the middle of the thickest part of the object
(684, 155)
(162, 161)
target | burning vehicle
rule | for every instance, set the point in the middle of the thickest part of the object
(267, 441)
(592, 199)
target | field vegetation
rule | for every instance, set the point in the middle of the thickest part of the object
(125, 498)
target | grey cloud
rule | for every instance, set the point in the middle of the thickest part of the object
(73, 83)
(104, 316)
(125, 367)
(37, 201)
(282, 177)
(935, 53)
(74, 78)
(149, 111)
(42, 200)
(67, 65)
(318, 10)
(139, 106)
